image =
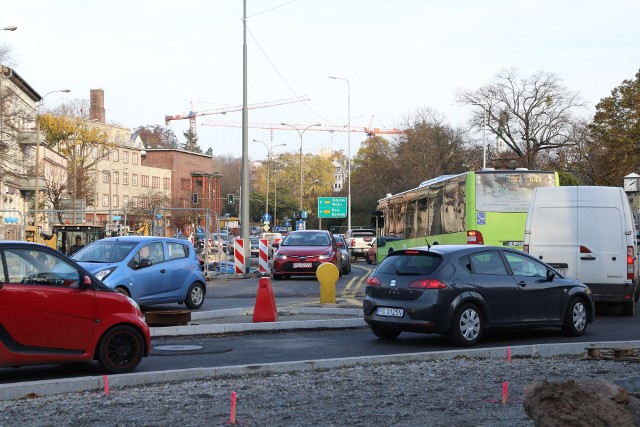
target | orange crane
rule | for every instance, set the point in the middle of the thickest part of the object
(369, 131)
(191, 115)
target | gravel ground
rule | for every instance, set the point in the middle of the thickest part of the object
(459, 392)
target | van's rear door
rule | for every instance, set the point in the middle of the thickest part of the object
(553, 238)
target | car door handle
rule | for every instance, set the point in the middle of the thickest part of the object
(588, 258)
(163, 271)
(522, 283)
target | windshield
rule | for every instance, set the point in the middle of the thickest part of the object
(306, 239)
(509, 191)
(105, 251)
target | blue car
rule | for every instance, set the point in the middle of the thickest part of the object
(150, 270)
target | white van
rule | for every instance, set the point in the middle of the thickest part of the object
(587, 233)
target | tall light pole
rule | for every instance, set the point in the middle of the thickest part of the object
(484, 132)
(348, 149)
(300, 133)
(37, 172)
(269, 151)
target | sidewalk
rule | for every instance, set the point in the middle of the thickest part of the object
(342, 314)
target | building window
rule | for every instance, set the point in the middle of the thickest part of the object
(116, 155)
(134, 201)
(116, 177)
(105, 200)
(105, 177)
(166, 184)
(155, 182)
(125, 201)
(125, 178)
(134, 179)
(145, 180)
(115, 200)
(94, 152)
(134, 158)
(125, 156)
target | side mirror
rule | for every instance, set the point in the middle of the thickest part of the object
(86, 282)
(550, 274)
(275, 244)
(145, 262)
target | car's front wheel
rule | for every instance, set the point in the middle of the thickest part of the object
(467, 326)
(195, 296)
(385, 334)
(575, 319)
(120, 349)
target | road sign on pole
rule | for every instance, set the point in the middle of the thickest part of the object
(332, 207)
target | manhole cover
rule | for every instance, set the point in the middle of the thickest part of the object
(178, 347)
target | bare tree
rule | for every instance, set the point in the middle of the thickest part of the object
(157, 136)
(528, 115)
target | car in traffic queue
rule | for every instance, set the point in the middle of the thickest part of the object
(346, 256)
(301, 252)
(461, 290)
(150, 270)
(52, 310)
(254, 242)
(372, 253)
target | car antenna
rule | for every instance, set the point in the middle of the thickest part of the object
(428, 245)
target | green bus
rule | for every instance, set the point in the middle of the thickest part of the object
(488, 207)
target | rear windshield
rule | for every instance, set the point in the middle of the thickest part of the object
(362, 233)
(419, 264)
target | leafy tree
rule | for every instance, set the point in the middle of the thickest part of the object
(77, 140)
(191, 142)
(157, 136)
(527, 115)
(616, 131)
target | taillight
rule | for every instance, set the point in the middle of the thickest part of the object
(474, 237)
(353, 242)
(525, 249)
(427, 284)
(373, 281)
(584, 250)
(630, 263)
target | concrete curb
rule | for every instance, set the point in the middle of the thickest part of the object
(74, 385)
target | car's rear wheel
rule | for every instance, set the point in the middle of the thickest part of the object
(369, 260)
(467, 326)
(575, 319)
(120, 349)
(195, 296)
(385, 334)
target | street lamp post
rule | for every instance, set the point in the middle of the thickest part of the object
(300, 133)
(484, 132)
(348, 149)
(269, 151)
(37, 171)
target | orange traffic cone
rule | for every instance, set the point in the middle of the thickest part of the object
(265, 309)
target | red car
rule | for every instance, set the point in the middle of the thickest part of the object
(302, 251)
(53, 311)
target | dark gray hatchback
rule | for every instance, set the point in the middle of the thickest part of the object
(459, 290)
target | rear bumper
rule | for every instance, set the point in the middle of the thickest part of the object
(607, 292)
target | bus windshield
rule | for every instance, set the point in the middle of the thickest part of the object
(509, 191)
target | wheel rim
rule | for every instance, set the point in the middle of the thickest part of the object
(122, 349)
(579, 316)
(469, 324)
(197, 295)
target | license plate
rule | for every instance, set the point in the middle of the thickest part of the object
(562, 271)
(390, 312)
(301, 265)
(514, 243)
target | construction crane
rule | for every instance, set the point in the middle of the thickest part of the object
(369, 131)
(191, 115)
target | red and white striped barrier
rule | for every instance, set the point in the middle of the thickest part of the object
(263, 256)
(238, 254)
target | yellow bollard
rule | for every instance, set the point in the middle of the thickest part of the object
(327, 274)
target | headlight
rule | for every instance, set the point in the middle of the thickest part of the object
(103, 274)
(326, 256)
(279, 256)
(133, 303)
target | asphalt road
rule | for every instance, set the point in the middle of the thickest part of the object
(247, 349)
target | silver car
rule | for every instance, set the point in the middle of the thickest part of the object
(346, 257)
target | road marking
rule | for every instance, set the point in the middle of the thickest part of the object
(351, 291)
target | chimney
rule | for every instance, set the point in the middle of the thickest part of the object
(96, 105)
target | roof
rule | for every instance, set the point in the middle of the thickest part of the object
(21, 83)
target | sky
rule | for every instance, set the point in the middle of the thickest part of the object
(155, 58)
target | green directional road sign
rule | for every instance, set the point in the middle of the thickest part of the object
(332, 207)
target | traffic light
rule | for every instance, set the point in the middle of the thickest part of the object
(230, 199)
(195, 198)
